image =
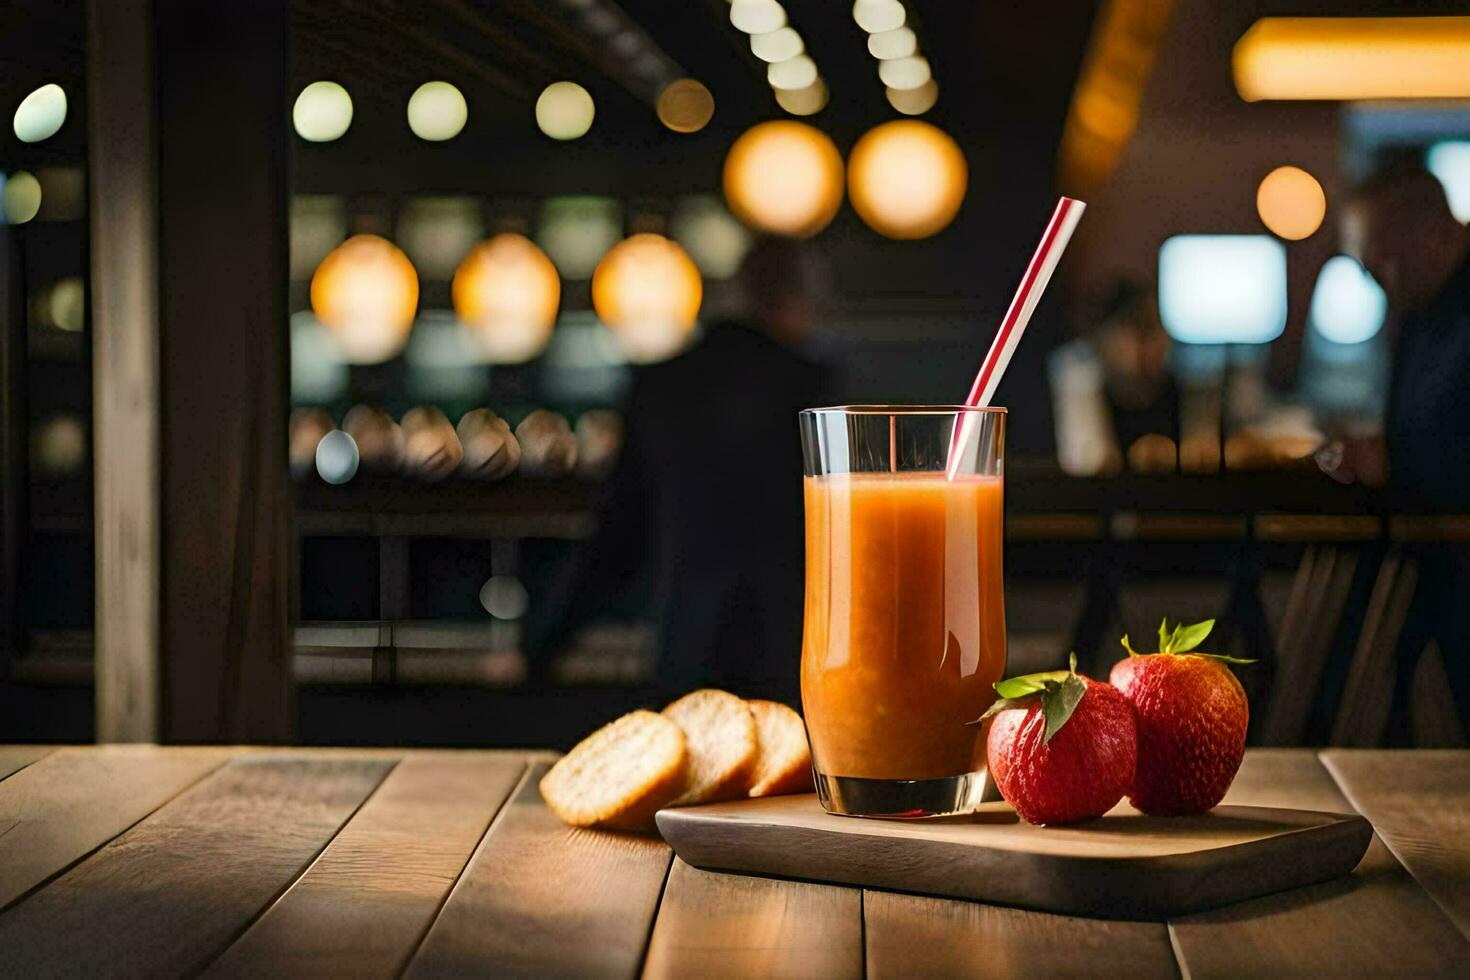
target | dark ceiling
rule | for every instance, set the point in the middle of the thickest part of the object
(1005, 74)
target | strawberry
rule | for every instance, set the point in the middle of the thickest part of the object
(1192, 715)
(1062, 746)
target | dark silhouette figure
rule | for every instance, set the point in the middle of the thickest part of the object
(706, 499)
(1399, 225)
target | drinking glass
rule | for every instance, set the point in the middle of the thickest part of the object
(904, 624)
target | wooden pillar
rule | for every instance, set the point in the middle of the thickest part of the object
(187, 140)
(123, 165)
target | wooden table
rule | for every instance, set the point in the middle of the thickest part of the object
(131, 860)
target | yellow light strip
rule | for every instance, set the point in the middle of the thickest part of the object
(1104, 109)
(1354, 58)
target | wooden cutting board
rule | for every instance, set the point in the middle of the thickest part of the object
(1124, 865)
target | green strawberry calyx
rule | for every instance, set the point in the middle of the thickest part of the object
(1059, 691)
(1184, 639)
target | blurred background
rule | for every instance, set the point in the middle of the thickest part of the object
(361, 358)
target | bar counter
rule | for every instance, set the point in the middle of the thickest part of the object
(134, 860)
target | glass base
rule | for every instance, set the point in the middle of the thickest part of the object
(904, 799)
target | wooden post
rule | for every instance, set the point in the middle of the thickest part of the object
(121, 137)
(188, 129)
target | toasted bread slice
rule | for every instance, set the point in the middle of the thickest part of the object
(720, 733)
(620, 775)
(784, 762)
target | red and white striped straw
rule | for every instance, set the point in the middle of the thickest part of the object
(1038, 273)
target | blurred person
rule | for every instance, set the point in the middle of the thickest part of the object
(1114, 396)
(1400, 227)
(706, 497)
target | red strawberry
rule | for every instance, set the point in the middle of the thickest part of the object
(1062, 747)
(1192, 715)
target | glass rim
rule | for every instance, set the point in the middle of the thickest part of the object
(903, 410)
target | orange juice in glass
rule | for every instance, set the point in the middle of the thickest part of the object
(905, 610)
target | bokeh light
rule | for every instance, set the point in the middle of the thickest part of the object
(711, 235)
(793, 73)
(906, 179)
(63, 193)
(897, 43)
(1450, 162)
(1350, 58)
(564, 111)
(66, 304)
(504, 597)
(1291, 203)
(319, 374)
(41, 114)
(366, 293)
(757, 16)
(437, 112)
(1222, 289)
(318, 225)
(21, 198)
(876, 16)
(804, 101)
(336, 457)
(577, 231)
(444, 364)
(784, 177)
(438, 232)
(647, 291)
(506, 293)
(59, 446)
(685, 105)
(904, 73)
(322, 112)
(777, 45)
(1348, 305)
(914, 101)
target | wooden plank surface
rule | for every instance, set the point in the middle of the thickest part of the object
(542, 898)
(362, 908)
(721, 925)
(167, 896)
(14, 758)
(73, 801)
(1125, 865)
(1419, 802)
(919, 936)
(1376, 921)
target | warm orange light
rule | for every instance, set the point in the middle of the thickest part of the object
(366, 293)
(1354, 58)
(1291, 203)
(647, 290)
(685, 105)
(506, 292)
(906, 179)
(1126, 37)
(784, 177)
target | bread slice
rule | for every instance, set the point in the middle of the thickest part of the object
(720, 734)
(784, 762)
(620, 775)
